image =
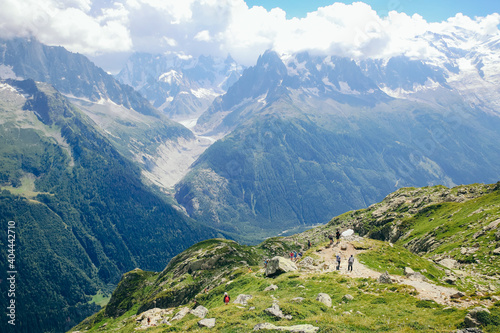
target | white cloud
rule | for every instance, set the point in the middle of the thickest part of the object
(66, 23)
(219, 27)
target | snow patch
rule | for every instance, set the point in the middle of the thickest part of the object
(170, 77)
(204, 93)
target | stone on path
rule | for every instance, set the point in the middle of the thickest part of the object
(385, 278)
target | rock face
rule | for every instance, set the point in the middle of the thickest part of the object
(209, 323)
(325, 299)
(385, 278)
(200, 311)
(472, 318)
(296, 328)
(242, 299)
(279, 265)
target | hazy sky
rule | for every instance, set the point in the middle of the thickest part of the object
(108, 31)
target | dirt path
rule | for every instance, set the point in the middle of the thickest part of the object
(425, 289)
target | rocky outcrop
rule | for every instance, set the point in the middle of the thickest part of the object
(325, 299)
(279, 265)
(295, 328)
(347, 298)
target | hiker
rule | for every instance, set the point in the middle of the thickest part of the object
(265, 262)
(350, 261)
(338, 236)
(226, 298)
(291, 256)
(308, 244)
(330, 237)
(338, 261)
(149, 321)
(295, 255)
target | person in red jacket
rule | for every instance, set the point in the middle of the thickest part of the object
(226, 298)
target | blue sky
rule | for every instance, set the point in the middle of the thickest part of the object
(431, 10)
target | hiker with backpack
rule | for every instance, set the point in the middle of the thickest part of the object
(226, 298)
(350, 261)
(337, 235)
(338, 261)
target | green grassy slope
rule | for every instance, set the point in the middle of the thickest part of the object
(224, 266)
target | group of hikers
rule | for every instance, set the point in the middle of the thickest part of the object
(337, 236)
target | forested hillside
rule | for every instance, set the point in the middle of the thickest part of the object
(83, 216)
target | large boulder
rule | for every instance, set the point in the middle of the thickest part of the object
(325, 299)
(200, 311)
(279, 265)
(242, 299)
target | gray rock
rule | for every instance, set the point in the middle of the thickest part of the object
(275, 311)
(469, 330)
(471, 319)
(385, 278)
(271, 287)
(294, 329)
(181, 314)
(325, 299)
(279, 265)
(242, 299)
(298, 299)
(347, 298)
(209, 323)
(448, 263)
(343, 247)
(409, 271)
(457, 295)
(307, 261)
(496, 251)
(200, 311)
(450, 279)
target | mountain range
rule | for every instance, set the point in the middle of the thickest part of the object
(101, 180)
